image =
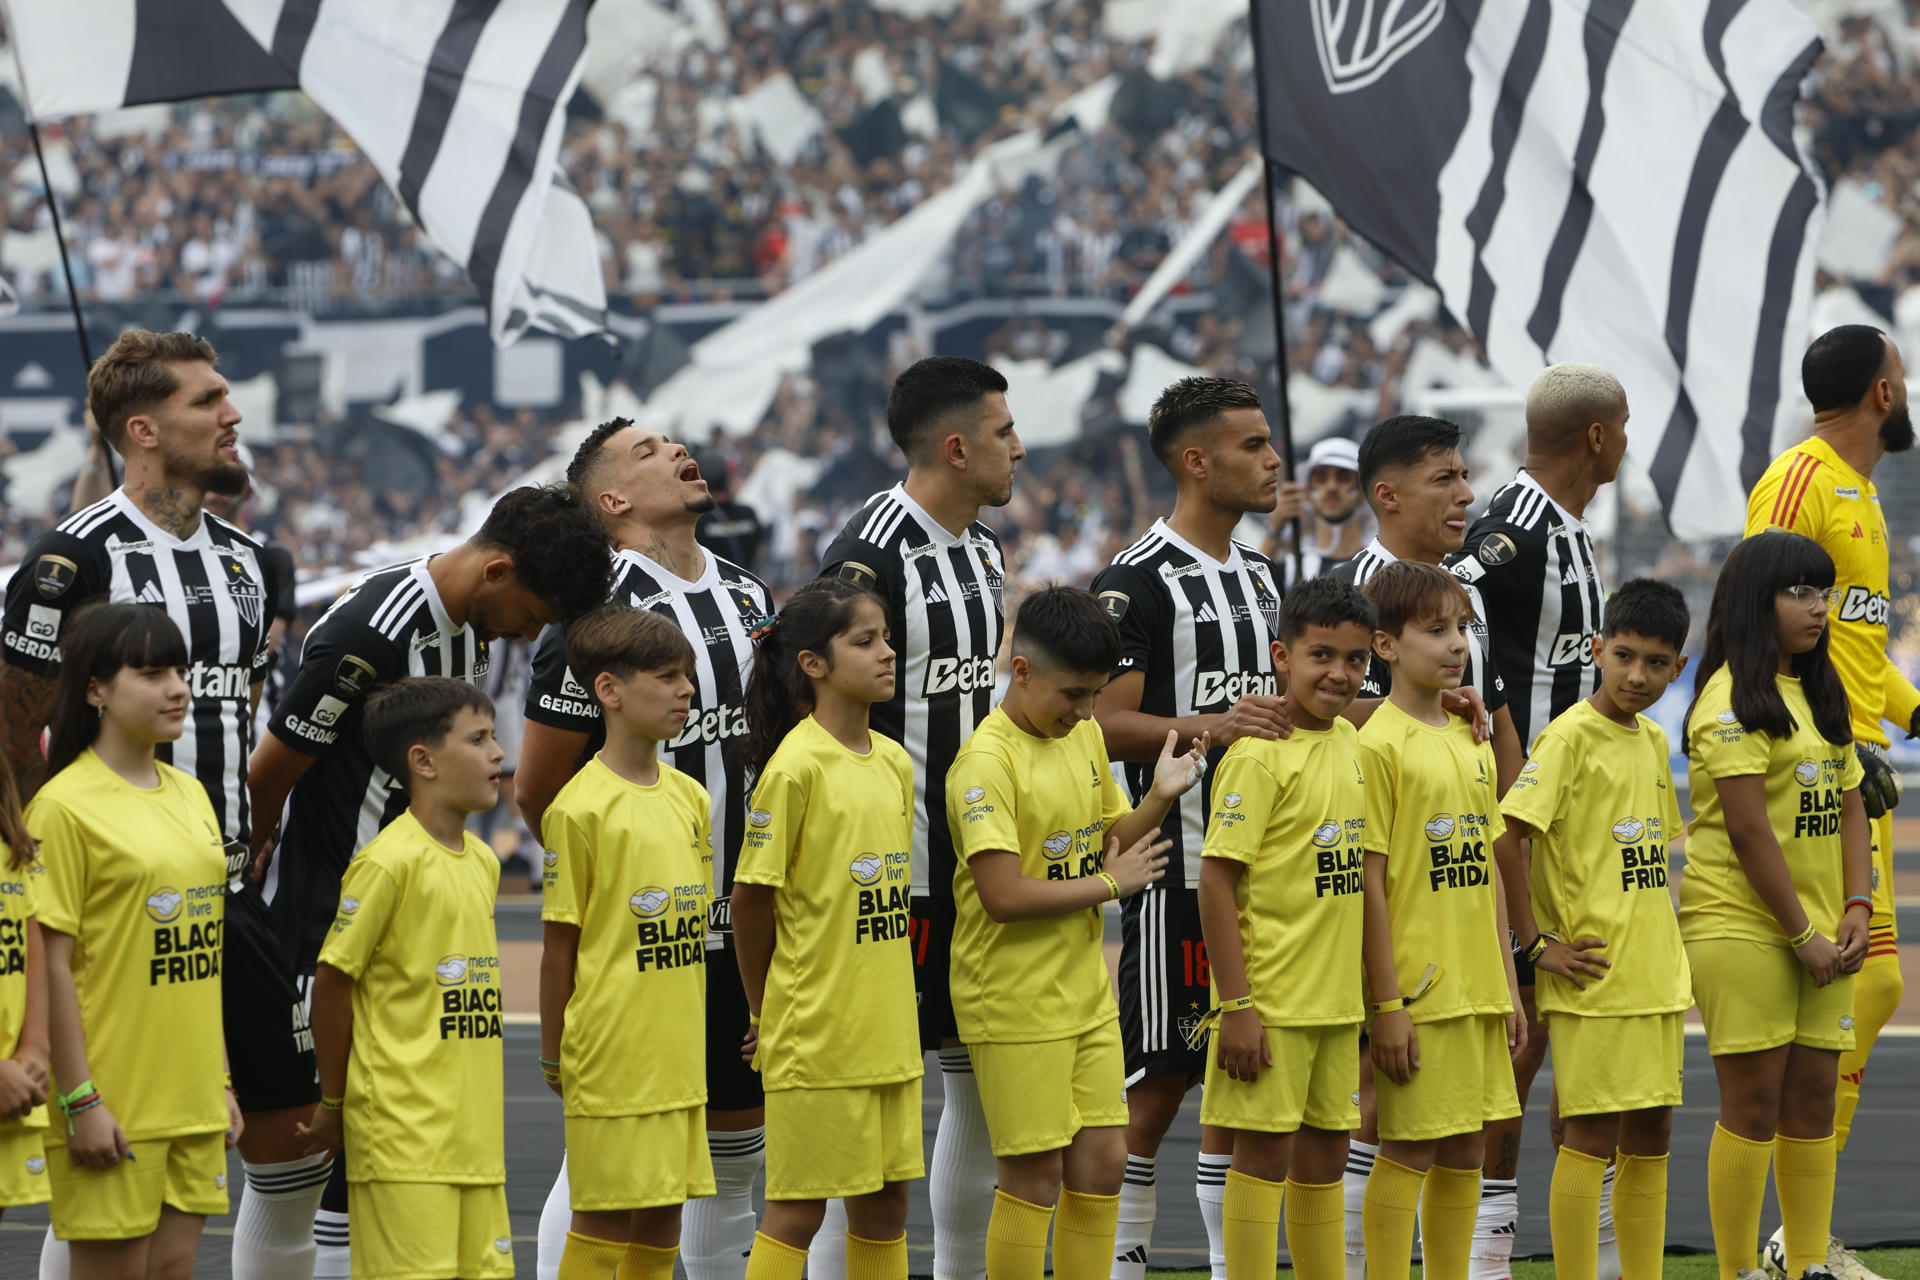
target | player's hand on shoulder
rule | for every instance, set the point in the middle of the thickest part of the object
(1574, 961)
(1258, 715)
(1467, 703)
(1135, 868)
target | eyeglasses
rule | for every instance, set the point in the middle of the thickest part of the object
(1808, 596)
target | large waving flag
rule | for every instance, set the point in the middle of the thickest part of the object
(1605, 180)
(458, 103)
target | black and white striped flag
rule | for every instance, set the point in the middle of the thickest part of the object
(1605, 180)
(458, 103)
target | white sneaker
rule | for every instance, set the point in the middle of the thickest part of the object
(1773, 1256)
(1845, 1263)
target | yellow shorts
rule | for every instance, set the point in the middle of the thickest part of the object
(1757, 995)
(1603, 1065)
(429, 1231)
(1885, 920)
(1314, 1080)
(1465, 1079)
(824, 1144)
(1037, 1096)
(187, 1173)
(23, 1167)
(638, 1162)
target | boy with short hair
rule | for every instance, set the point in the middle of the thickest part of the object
(1045, 838)
(406, 1003)
(1281, 908)
(1597, 797)
(627, 883)
(1435, 943)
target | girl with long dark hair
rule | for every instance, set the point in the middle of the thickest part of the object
(820, 904)
(23, 1009)
(1774, 904)
(132, 909)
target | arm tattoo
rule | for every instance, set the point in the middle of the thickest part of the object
(26, 700)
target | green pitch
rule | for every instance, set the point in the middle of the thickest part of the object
(1895, 1264)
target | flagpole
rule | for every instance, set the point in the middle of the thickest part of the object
(1283, 406)
(66, 269)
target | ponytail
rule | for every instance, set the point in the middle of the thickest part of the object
(779, 693)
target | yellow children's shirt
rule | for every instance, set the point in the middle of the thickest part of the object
(425, 1097)
(1432, 810)
(1293, 810)
(630, 867)
(138, 879)
(1050, 801)
(1805, 778)
(17, 906)
(1600, 799)
(1811, 490)
(832, 831)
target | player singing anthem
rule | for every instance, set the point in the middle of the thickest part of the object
(1823, 488)
(164, 407)
(539, 557)
(920, 547)
(1197, 613)
(650, 495)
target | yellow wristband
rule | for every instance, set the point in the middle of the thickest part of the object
(1113, 886)
(1389, 1006)
(1428, 977)
(1805, 937)
(1201, 1028)
(332, 1104)
(753, 1019)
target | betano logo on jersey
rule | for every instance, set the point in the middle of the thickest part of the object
(958, 675)
(1224, 688)
(1862, 605)
(882, 912)
(1643, 855)
(469, 996)
(705, 728)
(672, 926)
(187, 933)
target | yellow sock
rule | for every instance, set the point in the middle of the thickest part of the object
(1016, 1239)
(1083, 1231)
(1250, 1226)
(1876, 994)
(876, 1259)
(1803, 1180)
(771, 1260)
(590, 1258)
(1448, 1205)
(1573, 1213)
(647, 1262)
(1386, 1218)
(1639, 1214)
(1316, 1230)
(1736, 1189)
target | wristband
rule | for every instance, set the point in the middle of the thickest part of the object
(85, 1104)
(1430, 976)
(1538, 947)
(1113, 886)
(80, 1091)
(332, 1104)
(1862, 900)
(1805, 937)
(1200, 1030)
(753, 1019)
(545, 1062)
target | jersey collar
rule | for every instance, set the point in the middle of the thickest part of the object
(1165, 531)
(1820, 449)
(934, 530)
(709, 576)
(121, 499)
(442, 621)
(1378, 549)
(1524, 478)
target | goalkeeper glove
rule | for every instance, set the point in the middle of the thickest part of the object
(1880, 784)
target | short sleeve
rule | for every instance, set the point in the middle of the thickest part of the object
(343, 661)
(1114, 804)
(1136, 601)
(1539, 793)
(1672, 823)
(1245, 796)
(368, 899)
(1853, 773)
(983, 805)
(62, 895)
(861, 562)
(567, 878)
(554, 697)
(1383, 782)
(773, 830)
(1496, 823)
(1721, 745)
(60, 574)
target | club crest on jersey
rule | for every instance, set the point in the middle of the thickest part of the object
(243, 585)
(1268, 603)
(650, 902)
(52, 575)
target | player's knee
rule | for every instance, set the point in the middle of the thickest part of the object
(273, 1137)
(1096, 1162)
(1152, 1104)
(880, 1215)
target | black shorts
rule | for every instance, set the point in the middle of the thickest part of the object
(732, 1085)
(269, 1042)
(930, 929)
(1522, 967)
(1163, 983)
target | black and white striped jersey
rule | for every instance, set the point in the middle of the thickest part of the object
(1483, 667)
(215, 588)
(1534, 564)
(389, 625)
(1201, 630)
(716, 612)
(946, 610)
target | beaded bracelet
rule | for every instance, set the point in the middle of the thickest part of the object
(1859, 899)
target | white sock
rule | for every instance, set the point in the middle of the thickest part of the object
(1493, 1230)
(1135, 1234)
(1360, 1158)
(716, 1231)
(1210, 1189)
(1609, 1247)
(556, 1218)
(332, 1259)
(273, 1232)
(962, 1176)
(54, 1258)
(827, 1258)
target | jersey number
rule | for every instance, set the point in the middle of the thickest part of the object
(1193, 962)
